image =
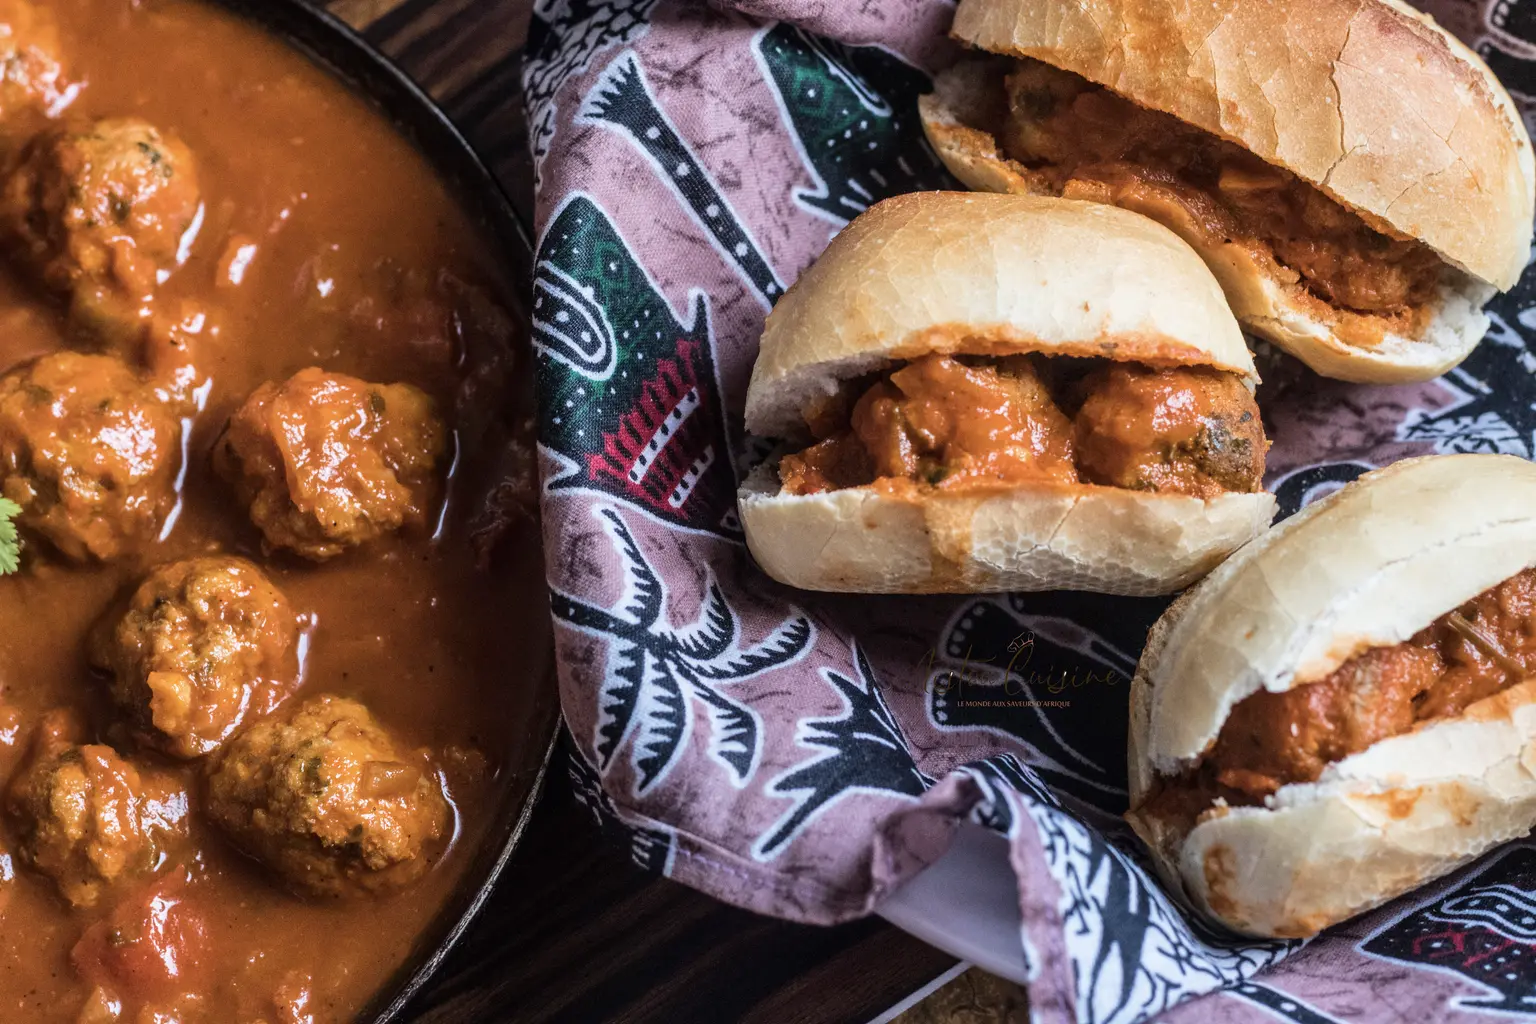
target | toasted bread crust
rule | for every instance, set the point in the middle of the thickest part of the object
(1369, 100)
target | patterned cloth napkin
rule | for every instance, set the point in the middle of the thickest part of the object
(801, 755)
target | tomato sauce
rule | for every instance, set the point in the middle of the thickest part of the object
(1085, 142)
(953, 423)
(1272, 740)
(323, 239)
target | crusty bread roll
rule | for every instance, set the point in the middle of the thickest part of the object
(1370, 101)
(1368, 566)
(989, 275)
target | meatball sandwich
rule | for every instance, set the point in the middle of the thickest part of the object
(964, 410)
(1343, 710)
(1355, 177)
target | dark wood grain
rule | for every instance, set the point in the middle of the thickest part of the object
(574, 931)
(467, 54)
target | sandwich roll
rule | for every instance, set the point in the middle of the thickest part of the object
(991, 392)
(1346, 708)
(1355, 177)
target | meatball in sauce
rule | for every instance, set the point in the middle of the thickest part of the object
(204, 644)
(32, 80)
(328, 799)
(88, 453)
(940, 420)
(326, 462)
(1472, 652)
(1188, 430)
(1274, 739)
(86, 817)
(98, 213)
(1081, 140)
(954, 423)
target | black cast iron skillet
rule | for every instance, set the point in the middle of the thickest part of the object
(331, 44)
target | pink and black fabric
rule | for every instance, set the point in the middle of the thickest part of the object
(801, 755)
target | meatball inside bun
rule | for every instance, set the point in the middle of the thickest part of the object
(990, 392)
(1345, 709)
(1356, 178)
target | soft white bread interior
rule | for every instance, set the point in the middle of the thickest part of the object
(983, 274)
(1028, 537)
(1369, 100)
(1282, 312)
(1367, 566)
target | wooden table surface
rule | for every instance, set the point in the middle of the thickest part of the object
(575, 932)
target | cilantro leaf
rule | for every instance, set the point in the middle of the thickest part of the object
(10, 545)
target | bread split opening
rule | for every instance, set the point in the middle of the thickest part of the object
(1272, 740)
(1073, 138)
(951, 424)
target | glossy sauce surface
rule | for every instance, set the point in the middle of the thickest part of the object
(958, 423)
(1276, 739)
(325, 240)
(1466, 655)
